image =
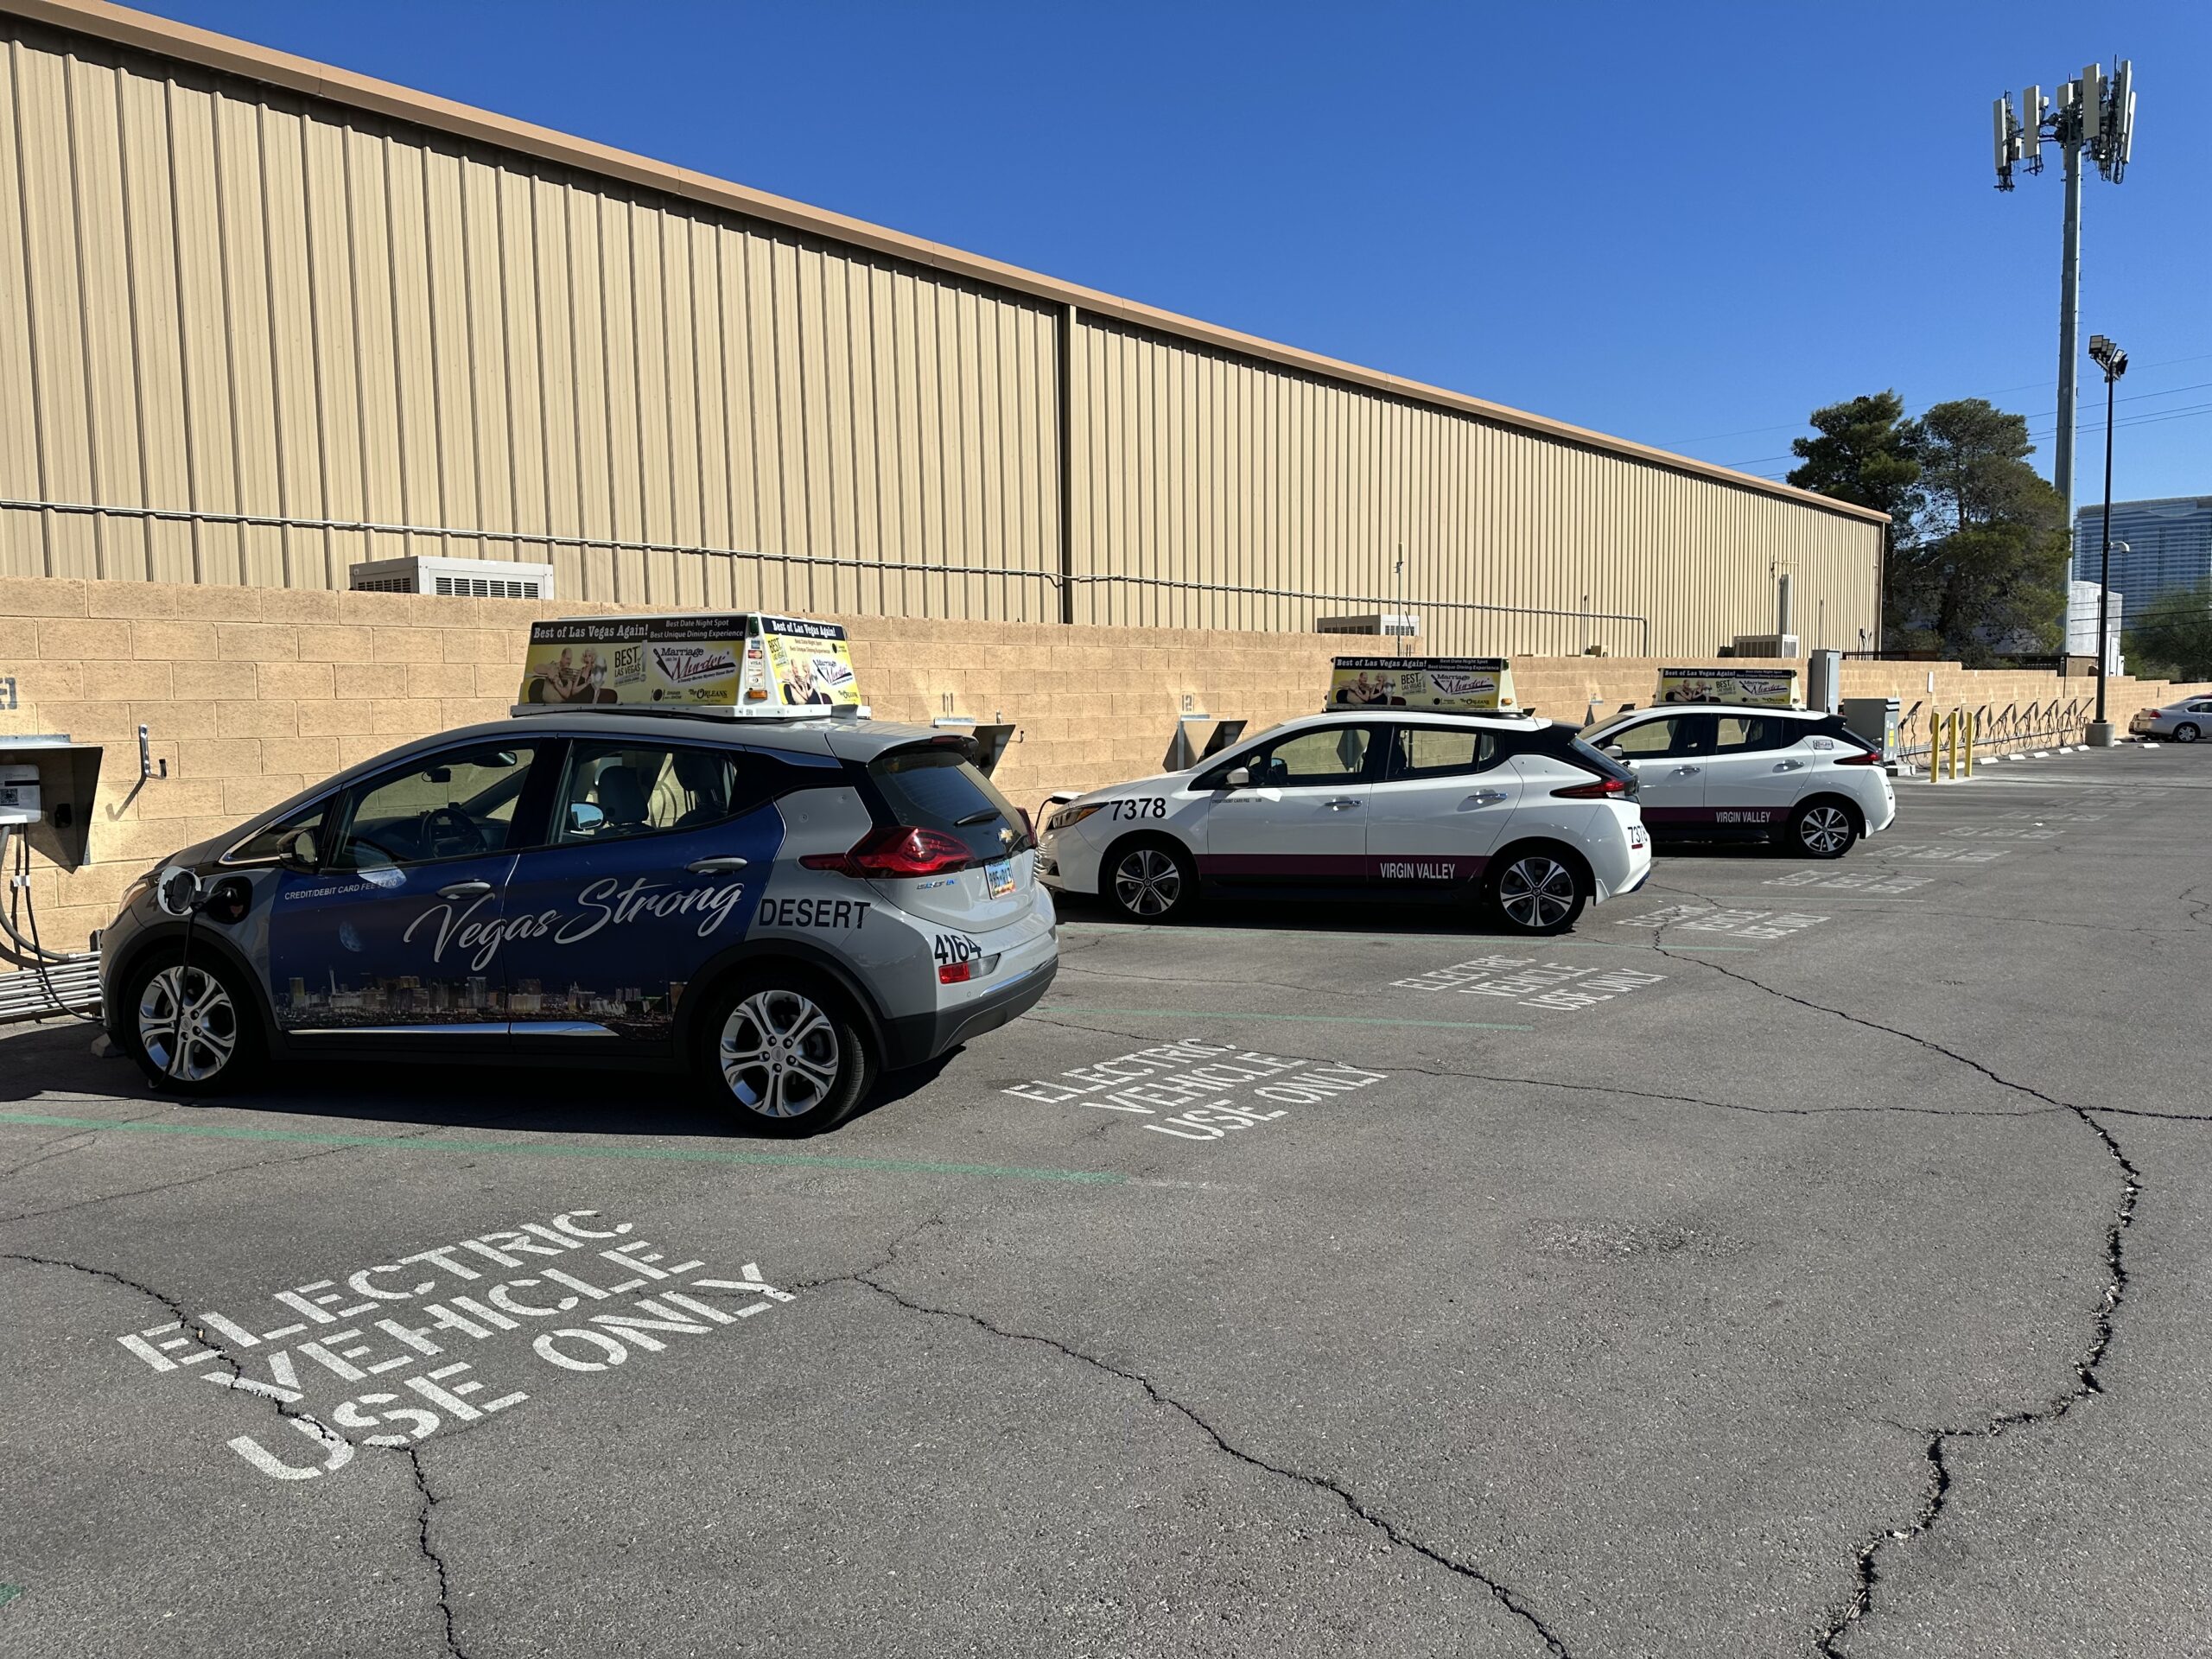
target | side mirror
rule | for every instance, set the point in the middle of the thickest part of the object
(1239, 778)
(584, 818)
(1617, 752)
(299, 855)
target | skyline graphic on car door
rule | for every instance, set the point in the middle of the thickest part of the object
(1441, 806)
(399, 933)
(657, 865)
(1302, 817)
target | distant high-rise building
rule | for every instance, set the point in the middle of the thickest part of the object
(2169, 546)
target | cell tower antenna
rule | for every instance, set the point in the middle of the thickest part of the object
(2094, 114)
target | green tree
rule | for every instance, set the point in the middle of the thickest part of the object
(1863, 454)
(2172, 639)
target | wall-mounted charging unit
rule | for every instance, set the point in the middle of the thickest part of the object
(47, 785)
(990, 739)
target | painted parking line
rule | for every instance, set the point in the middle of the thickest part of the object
(1288, 1018)
(555, 1149)
(8, 1593)
(1111, 928)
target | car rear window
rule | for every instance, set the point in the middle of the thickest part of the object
(937, 789)
(1599, 762)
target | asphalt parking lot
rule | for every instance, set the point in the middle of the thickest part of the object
(1797, 1258)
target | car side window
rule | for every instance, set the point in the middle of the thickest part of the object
(1740, 734)
(458, 804)
(1419, 752)
(1329, 758)
(622, 787)
(1652, 737)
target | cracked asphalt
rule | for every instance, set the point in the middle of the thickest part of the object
(1796, 1259)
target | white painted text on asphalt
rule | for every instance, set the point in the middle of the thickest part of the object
(408, 1316)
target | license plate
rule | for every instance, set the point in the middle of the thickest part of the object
(998, 875)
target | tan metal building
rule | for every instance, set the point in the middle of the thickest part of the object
(261, 319)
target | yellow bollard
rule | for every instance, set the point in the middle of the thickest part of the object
(1972, 733)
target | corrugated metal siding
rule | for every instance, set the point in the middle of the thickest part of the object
(1197, 473)
(218, 296)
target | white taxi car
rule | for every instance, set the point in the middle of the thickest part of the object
(1428, 806)
(1739, 772)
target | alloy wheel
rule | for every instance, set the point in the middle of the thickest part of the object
(1536, 892)
(187, 1024)
(1147, 883)
(779, 1054)
(2185, 733)
(1824, 829)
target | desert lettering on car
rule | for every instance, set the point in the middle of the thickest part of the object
(814, 913)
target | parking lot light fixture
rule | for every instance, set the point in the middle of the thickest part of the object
(2108, 355)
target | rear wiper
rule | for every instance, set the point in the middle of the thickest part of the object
(983, 816)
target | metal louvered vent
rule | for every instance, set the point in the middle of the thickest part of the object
(455, 578)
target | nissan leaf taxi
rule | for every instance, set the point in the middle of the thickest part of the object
(783, 905)
(1739, 772)
(1395, 801)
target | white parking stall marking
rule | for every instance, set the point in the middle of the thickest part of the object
(2056, 817)
(1850, 880)
(1200, 1084)
(411, 1311)
(1942, 855)
(1999, 832)
(1738, 923)
(1555, 985)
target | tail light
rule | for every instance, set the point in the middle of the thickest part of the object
(1859, 757)
(896, 853)
(956, 973)
(1598, 789)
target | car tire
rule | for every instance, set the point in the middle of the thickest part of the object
(1823, 827)
(222, 1047)
(1537, 890)
(2187, 732)
(1150, 879)
(785, 1052)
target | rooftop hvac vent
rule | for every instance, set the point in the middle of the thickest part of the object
(1390, 627)
(457, 578)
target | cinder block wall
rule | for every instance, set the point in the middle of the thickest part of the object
(250, 694)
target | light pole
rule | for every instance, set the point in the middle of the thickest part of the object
(2113, 361)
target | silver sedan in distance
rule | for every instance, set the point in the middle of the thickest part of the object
(2185, 722)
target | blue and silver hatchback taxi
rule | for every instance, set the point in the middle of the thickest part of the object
(782, 908)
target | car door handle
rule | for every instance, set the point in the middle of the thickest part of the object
(1684, 772)
(1789, 765)
(1486, 798)
(1340, 806)
(721, 865)
(465, 890)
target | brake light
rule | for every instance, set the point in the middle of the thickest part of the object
(895, 854)
(1863, 757)
(1598, 789)
(956, 973)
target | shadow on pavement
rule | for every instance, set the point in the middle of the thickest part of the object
(42, 1060)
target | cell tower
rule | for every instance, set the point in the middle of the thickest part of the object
(2096, 113)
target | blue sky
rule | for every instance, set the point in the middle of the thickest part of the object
(1688, 223)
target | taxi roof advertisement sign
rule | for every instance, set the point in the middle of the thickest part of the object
(1771, 687)
(1466, 685)
(734, 659)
